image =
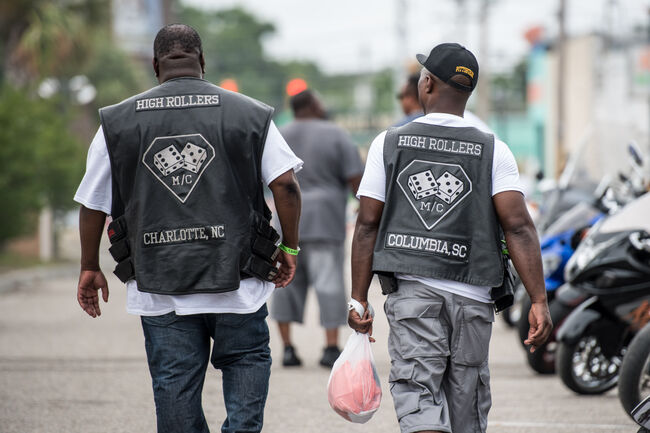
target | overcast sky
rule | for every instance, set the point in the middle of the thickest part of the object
(357, 35)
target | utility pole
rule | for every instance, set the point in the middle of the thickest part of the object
(560, 156)
(461, 22)
(647, 83)
(401, 47)
(483, 90)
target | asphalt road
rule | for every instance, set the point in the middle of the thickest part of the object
(61, 371)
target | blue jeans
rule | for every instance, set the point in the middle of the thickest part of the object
(178, 349)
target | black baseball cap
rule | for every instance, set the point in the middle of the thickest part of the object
(447, 60)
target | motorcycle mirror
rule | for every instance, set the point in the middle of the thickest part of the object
(603, 186)
(641, 413)
(633, 150)
(639, 242)
(546, 185)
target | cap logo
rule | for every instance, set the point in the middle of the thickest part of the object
(465, 70)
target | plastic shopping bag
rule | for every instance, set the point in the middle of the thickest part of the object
(353, 390)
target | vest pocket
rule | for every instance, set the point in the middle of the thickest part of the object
(418, 326)
(474, 339)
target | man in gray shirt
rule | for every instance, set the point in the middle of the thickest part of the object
(331, 165)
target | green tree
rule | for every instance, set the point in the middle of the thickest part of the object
(233, 45)
(40, 162)
(42, 38)
(113, 73)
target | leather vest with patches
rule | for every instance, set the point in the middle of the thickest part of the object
(438, 219)
(186, 168)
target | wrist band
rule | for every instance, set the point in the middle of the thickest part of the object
(288, 250)
(353, 304)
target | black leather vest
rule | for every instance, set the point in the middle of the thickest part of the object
(186, 168)
(438, 219)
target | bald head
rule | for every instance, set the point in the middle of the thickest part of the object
(437, 96)
(177, 52)
(177, 37)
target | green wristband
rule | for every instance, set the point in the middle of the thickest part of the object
(288, 250)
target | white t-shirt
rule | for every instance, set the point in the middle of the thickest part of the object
(95, 192)
(505, 177)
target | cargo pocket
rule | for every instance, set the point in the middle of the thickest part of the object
(483, 396)
(474, 339)
(406, 394)
(419, 329)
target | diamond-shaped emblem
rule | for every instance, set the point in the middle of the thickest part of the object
(433, 189)
(178, 162)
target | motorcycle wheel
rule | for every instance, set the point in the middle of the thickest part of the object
(511, 315)
(634, 379)
(542, 360)
(584, 368)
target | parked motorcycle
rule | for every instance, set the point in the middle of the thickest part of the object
(634, 377)
(558, 248)
(611, 267)
(641, 414)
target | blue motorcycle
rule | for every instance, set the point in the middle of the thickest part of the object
(557, 245)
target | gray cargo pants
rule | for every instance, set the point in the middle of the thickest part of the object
(438, 344)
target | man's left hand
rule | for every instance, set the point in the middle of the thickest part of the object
(541, 325)
(287, 269)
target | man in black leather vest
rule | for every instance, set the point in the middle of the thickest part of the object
(429, 224)
(183, 167)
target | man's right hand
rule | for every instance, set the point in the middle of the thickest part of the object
(90, 282)
(541, 325)
(361, 324)
(287, 269)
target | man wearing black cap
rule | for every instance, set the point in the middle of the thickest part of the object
(436, 197)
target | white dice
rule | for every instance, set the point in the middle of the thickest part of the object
(422, 184)
(449, 187)
(193, 156)
(168, 160)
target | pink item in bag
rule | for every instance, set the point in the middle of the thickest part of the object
(353, 389)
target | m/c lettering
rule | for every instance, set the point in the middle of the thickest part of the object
(185, 179)
(434, 207)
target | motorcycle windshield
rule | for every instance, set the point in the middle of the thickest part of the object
(577, 217)
(634, 216)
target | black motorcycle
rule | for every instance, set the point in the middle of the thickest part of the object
(641, 414)
(634, 377)
(611, 267)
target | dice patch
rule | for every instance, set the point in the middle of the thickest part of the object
(193, 157)
(168, 160)
(434, 190)
(422, 184)
(450, 187)
(178, 162)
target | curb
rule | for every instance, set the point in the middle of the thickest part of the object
(14, 280)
